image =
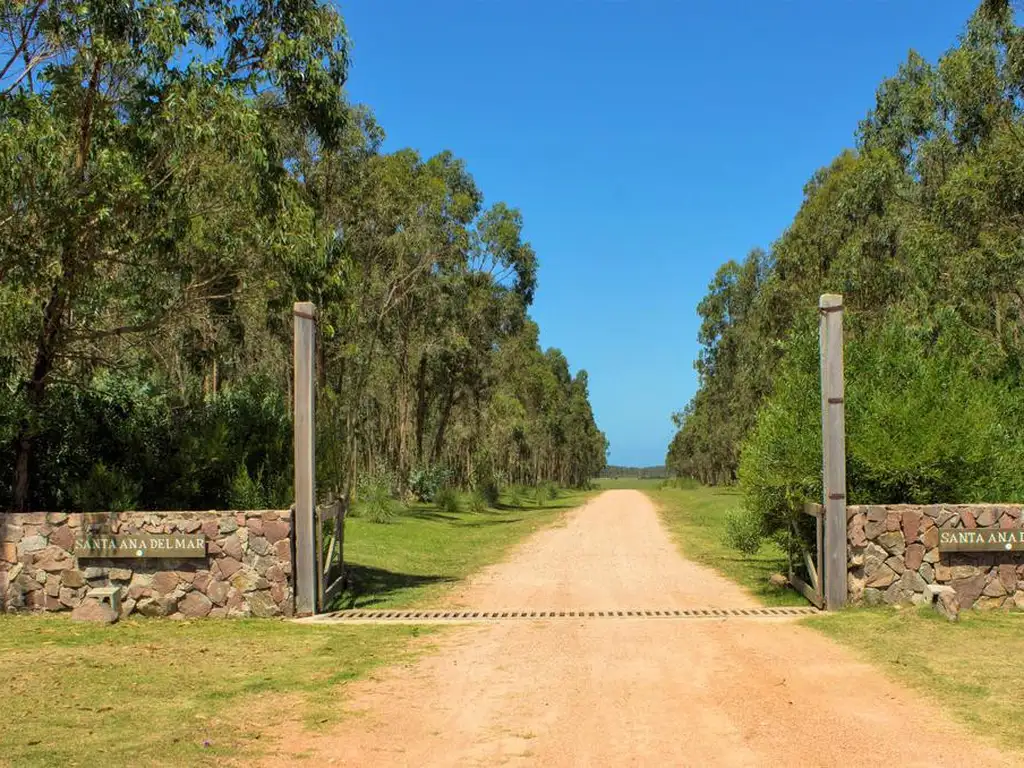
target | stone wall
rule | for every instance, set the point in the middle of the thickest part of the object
(247, 569)
(894, 555)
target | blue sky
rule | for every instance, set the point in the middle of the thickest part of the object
(646, 143)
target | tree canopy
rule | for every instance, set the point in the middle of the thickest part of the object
(920, 228)
(173, 176)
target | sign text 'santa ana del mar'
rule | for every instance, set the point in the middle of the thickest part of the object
(981, 540)
(141, 545)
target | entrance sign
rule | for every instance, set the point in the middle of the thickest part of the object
(141, 545)
(981, 540)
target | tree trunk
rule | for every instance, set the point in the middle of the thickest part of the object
(53, 316)
(36, 390)
(421, 406)
(446, 412)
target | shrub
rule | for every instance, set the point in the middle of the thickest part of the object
(743, 531)
(477, 502)
(447, 500)
(426, 482)
(106, 489)
(924, 423)
(374, 500)
(515, 496)
(486, 482)
(247, 492)
(489, 492)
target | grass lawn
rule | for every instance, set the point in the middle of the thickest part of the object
(151, 692)
(695, 515)
(970, 668)
(417, 558)
(635, 483)
(177, 693)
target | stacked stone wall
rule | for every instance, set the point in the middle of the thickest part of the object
(894, 555)
(246, 570)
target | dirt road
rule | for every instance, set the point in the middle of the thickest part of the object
(622, 692)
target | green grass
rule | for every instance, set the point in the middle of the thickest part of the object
(160, 692)
(151, 692)
(417, 558)
(971, 668)
(640, 484)
(696, 517)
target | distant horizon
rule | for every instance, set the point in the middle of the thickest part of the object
(633, 203)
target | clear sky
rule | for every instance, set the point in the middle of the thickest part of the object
(645, 141)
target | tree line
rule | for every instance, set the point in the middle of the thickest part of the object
(173, 178)
(614, 471)
(920, 228)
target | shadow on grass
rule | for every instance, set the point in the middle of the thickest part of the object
(531, 507)
(488, 523)
(367, 586)
(431, 514)
(483, 519)
(428, 513)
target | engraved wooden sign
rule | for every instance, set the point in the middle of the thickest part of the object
(981, 540)
(142, 545)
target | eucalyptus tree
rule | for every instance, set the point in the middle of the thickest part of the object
(919, 227)
(137, 185)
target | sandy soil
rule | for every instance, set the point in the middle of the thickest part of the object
(621, 692)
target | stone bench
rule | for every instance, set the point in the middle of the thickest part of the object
(111, 595)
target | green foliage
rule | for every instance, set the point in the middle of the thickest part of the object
(127, 443)
(248, 492)
(170, 184)
(375, 498)
(540, 495)
(517, 496)
(488, 491)
(426, 483)
(638, 472)
(106, 489)
(919, 228)
(922, 425)
(477, 502)
(486, 483)
(744, 531)
(447, 500)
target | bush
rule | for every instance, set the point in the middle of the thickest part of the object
(374, 498)
(447, 500)
(540, 494)
(125, 441)
(925, 424)
(247, 492)
(486, 483)
(106, 489)
(489, 492)
(426, 482)
(515, 496)
(477, 502)
(743, 531)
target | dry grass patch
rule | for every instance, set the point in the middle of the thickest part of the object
(170, 693)
(971, 668)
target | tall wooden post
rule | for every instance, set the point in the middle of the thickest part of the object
(304, 522)
(833, 447)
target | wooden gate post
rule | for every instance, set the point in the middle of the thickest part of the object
(304, 522)
(833, 447)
